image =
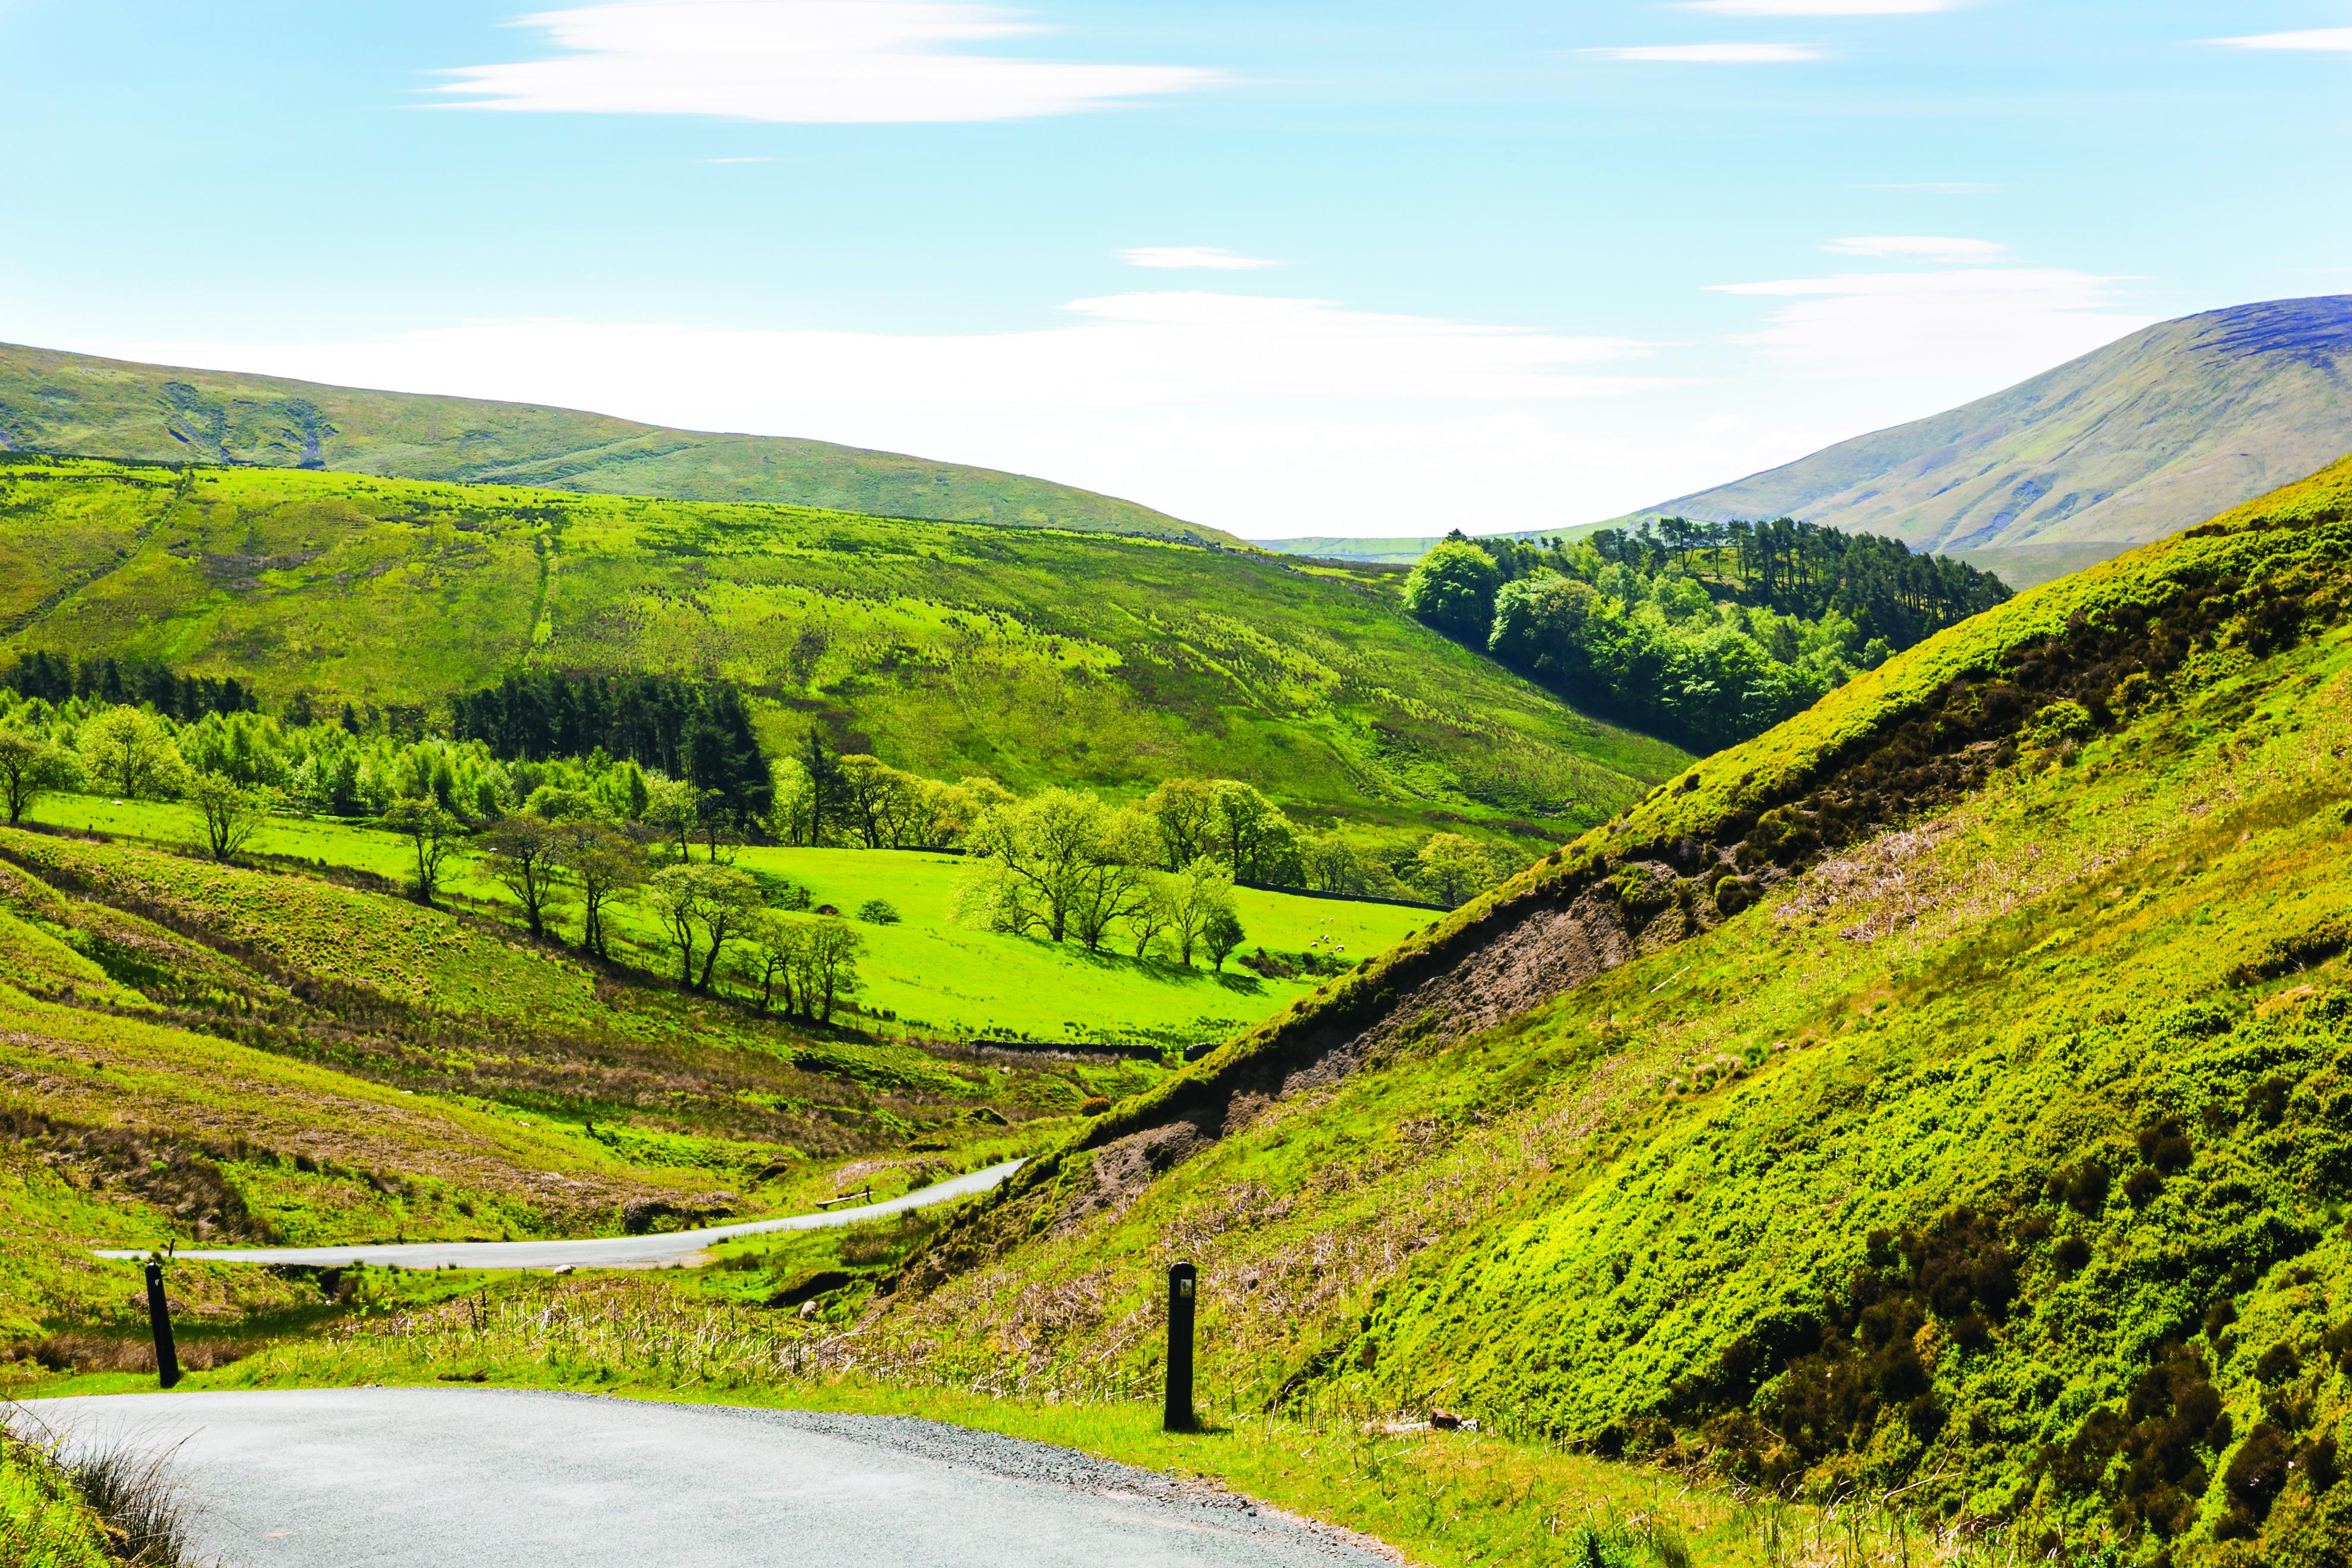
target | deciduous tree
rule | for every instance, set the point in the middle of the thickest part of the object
(434, 835)
(526, 854)
(603, 867)
(231, 813)
(702, 909)
(29, 769)
(130, 752)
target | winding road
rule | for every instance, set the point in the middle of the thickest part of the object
(593, 1252)
(428, 1478)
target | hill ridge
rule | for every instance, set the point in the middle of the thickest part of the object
(58, 403)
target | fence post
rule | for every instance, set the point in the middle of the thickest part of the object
(1182, 1278)
(158, 1318)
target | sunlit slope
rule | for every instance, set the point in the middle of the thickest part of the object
(2145, 437)
(76, 405)
(1033, 655)
(1945, 1090)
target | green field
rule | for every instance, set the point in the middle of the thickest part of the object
(938, 976)
(78, 406)
(949, 650)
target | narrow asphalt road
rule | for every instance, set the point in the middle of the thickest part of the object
(407, 1478)
(594, 1252)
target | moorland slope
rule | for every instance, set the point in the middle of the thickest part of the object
(2147, 436)
(77, 405)
(1037, 656)
(1944, 1091)
(2140, 439)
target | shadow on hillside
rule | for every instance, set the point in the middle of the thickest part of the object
(1164, 970)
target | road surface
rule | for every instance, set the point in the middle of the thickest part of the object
(596, 1252)
(429, 1477)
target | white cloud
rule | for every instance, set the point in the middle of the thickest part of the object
(1714, 53)
(1917, 248)
(1193, 257)
(1991, 325)
(2315, 40)
(804, 62)
(1819, 8)
(1265, 414)
(1171, 348)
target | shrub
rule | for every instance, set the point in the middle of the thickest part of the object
(1095, 1106)
(878, 912)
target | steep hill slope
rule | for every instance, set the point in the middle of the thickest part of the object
(1038, 656)
(76, 405)
(1944, 1091)
(2124, 446)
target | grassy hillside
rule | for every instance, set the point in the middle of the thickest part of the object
(1035, 655)
(932, 976)
(192, 1051)
(74, 405)
(2147, 436)
(1941, 1092)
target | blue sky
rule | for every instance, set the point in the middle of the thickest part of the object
(1287, 266)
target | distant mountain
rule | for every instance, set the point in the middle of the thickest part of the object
(2147, 437)
(74, 405)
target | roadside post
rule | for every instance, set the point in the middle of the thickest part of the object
(1182, 1280)
(158, 1318)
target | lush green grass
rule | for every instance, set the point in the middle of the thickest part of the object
(75, 405)
(44, 1523)
(1635, 1214)
(936, 975)
(1035, 655)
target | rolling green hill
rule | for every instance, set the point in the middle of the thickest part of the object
(2126, 445)
(1036, 656)
(80, 405)
(1942, 1095)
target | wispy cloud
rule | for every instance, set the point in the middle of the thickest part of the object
(1917, 248)
(1962, 324)
(1194, 259)
(2314, 40)
(1714, 53)
(1263, 414)
(1819, 8)
(804, 61)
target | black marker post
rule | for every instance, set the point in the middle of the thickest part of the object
(158, 1318)
(1181, 1279)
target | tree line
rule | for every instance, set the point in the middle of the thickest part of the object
(54, 677)
(574, 837)
(1705, 633)
(697, 732)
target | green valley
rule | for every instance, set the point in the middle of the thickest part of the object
(1030, 654)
